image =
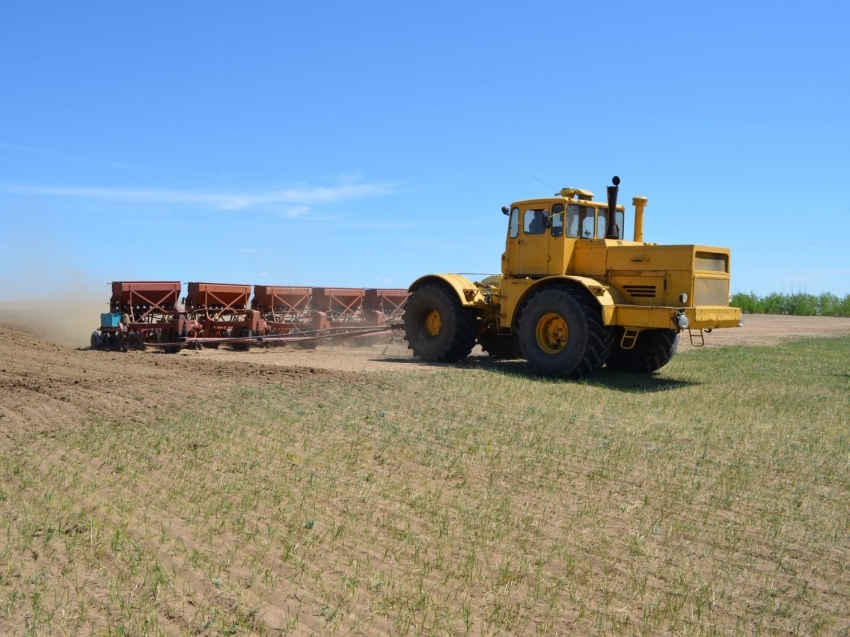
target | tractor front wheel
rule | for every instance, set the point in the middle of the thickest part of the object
(437, 327)
(561, 334)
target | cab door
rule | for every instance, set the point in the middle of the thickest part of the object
(528, 240)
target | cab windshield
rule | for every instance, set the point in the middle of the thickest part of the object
(588, 222)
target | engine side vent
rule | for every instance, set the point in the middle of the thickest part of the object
(640, 291)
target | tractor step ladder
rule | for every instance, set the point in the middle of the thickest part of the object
(696, 342)
(630, 336)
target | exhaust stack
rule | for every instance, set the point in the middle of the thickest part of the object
(612, 231)
(639, 203)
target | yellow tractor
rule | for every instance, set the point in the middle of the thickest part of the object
(574, 295)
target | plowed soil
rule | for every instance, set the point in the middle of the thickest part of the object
(45, 384)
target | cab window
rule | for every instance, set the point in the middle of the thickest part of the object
(514, 223)
(587, 221)
(535, 221)
(600, 222)
(618, 222)
(572, 220)
(558, 220)
(619, 219)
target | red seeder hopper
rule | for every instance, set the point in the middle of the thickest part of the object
(288, 309)
(146, 313)
(389, 303)
(142, 312)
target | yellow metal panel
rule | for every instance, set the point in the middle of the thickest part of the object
(513, 291)
(651, 257)
(634, 316)
(560, 252)
(460, 284)
(589, 257)
(645, 317)
(533, 253)
(678, 283)
(713, 317)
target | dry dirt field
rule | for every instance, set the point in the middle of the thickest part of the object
(45, 384)
(47, 387)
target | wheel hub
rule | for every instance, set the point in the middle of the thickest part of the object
(432, 323)
(552, 333)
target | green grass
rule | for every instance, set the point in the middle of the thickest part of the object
(711, 498)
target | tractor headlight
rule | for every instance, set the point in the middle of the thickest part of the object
(682, 321)
(683, 298)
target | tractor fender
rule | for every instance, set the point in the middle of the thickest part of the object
(465, 289)
(602, 293)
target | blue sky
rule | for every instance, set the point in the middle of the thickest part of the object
(366, 144)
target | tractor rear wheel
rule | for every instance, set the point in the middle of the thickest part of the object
(561, 334)
(652, 351)
(437, 327)
(500, 347)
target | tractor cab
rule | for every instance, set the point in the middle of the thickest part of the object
(543, 234)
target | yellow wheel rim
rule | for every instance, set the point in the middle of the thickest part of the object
(552, 333)
(432, 323)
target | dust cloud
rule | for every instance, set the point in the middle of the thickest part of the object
(66, 322)
(42, 291)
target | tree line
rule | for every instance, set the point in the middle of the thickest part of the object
(798, 304)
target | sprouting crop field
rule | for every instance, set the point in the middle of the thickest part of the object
(147, 494)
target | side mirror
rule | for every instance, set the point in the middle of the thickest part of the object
(505, 210)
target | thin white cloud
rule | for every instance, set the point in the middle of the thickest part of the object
(221, 200)
(317, 218)
(291, 212)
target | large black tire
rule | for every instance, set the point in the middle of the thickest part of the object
(95, 340)
(169, 336)
(437, 327)
(241, 332)
(561, 334)
(652, 351)
(500, 347)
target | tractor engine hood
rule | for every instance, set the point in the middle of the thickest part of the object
(676, 275)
